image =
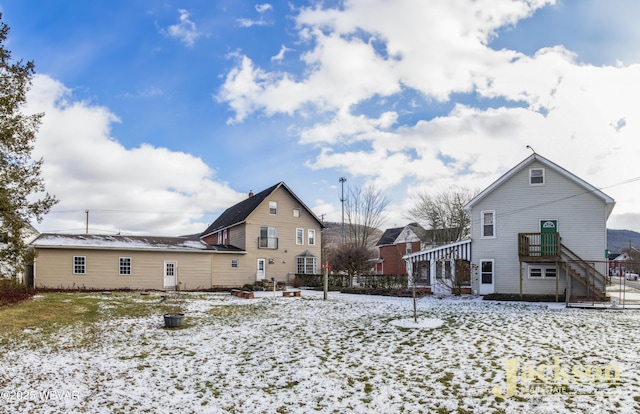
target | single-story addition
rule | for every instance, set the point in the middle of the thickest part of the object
(125, 262)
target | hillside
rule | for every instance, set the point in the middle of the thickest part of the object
(619, 240)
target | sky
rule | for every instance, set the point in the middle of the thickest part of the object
(160, 115)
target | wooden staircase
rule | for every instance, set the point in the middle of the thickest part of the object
(583, 272)
(548, 248)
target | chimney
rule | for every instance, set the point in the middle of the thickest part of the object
(250, 193)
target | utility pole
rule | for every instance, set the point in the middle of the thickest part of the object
(342, 181)
(86, 230)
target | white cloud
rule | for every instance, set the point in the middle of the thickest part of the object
(134, 189)
(578, 115)
(280, 55)
(185, 31)
(262, 9)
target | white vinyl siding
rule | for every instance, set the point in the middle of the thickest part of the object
(580, 214)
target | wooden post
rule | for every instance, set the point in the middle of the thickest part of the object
(568, 277)
(520, 279)
(326, 280)
(557, 277)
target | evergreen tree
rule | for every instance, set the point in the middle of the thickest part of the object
(22, 192)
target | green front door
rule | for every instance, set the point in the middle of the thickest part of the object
(549, 237)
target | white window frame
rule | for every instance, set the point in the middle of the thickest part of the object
(234, 263)
(311, 235)
(224, 237)
(296, 212)
(219, 237)
(300, 237)
(125, 267)
(482, 225)
(79, 266)
(545, 272)
(309, 265)
(531, 177)
(273, 208)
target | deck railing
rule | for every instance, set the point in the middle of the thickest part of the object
(540, 245)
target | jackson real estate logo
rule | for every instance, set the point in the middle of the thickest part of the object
(552, 379)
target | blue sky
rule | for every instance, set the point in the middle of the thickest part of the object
(161, 114)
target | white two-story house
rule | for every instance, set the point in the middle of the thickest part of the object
(537, 230)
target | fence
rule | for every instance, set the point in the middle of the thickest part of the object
(363, 281)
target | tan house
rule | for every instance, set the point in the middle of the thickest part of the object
(279, 234)
(271, 234)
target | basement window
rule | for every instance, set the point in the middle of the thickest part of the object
(539, 272)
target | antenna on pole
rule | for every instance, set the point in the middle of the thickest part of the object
(342, 181)
(86, 231)
(529, 146)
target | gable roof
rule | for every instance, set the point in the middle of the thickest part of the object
(238, 213)
(93, 241)
(552, 166)
(390, 236)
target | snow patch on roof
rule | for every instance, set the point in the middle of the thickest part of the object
(119, 242)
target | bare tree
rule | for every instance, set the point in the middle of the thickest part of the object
(443, 212)
(364, 209)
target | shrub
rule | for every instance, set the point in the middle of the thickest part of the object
(12, 292)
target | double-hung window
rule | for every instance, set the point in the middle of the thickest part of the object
(300, 236)
(536, 176)
(488, 224)
(268, 238)
(312, 237)
(273, 207)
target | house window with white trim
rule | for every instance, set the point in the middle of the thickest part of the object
(273, 208)
(536, 176)
(79, 265)
(306, 265)
(300, 236)
(296, 212)
(312, 237)
(268, 238)
(488, 225)
(234, 263)
(124, 266)
(539, 272)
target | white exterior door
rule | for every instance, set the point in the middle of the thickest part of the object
(170, 274)
(487, 277)
(261, 272)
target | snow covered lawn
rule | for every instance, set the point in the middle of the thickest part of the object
(347, 354)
